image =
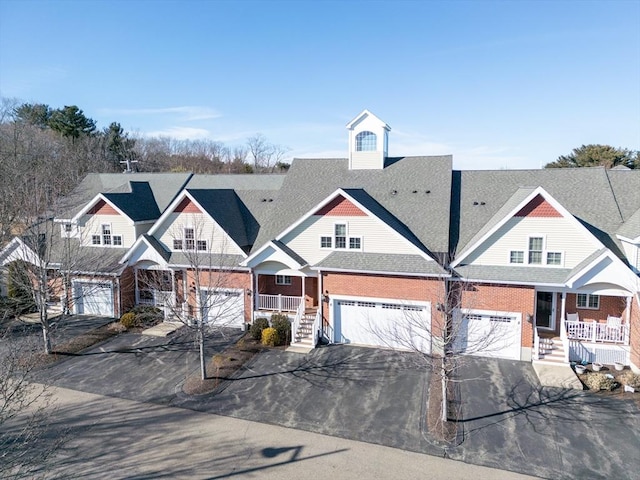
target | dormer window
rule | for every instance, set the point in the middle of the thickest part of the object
(366, 142)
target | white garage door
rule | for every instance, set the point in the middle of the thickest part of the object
(93, 298)
(385, 323)
(223, 307)
(489, 334)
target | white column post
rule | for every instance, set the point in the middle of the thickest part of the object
(304, 293)
(563, 304)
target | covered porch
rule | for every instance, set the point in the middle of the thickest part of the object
(589, 319)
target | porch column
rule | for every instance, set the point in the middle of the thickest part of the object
(563, 309)
(135, 276)
(304, 296)
(627, 315)
(256, 294)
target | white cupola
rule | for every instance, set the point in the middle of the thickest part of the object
(368, 142)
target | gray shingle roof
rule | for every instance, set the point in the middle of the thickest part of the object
(139, 204)
(205, 260)
(508, 274)
(631, 228)
(381, 263)
(400, 188)
(164, 187)
(585, 192)
(225, 208)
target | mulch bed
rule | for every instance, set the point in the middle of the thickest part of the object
(620, 377)
(222, 366)
(79, 343)
(444, 432)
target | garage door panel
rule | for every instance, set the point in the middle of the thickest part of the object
(223, 307)
(385, 324)
(93, 298)
(495, 335)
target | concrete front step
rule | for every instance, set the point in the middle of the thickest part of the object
(556, 375)
(298, 348)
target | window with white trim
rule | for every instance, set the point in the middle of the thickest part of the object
(586, 300)
(106, 234)
(201, 245)
(535, 250)
(67, 227)
(516, 256)
(355, 243)
(554, 258)
(326, 242)
(283, 280)
(366, 142)
(117, 240)
(95, 240)
(177, 244)
(340, 235)
(189, 239)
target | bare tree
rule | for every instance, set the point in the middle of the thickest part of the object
(265, 155)
(27, 440)
(443, 340)
(203, 292)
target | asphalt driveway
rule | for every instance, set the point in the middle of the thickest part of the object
(135, 366)
(367, 394)
(378, 396)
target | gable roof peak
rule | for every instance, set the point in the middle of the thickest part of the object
(366, 114)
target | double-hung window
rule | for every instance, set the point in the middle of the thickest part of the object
(283, 280)
(189, 239)
(326, 242)
(516, 256)
(106, 234)
(340, 236)
(535, 250)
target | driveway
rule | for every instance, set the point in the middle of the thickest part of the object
(378, 396)
(511, 422)
(366, 394)
(135, 366)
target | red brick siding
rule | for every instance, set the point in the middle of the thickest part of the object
(267, 285)
(503, 298)
(310, 292)
(340, 207)
(216, 279)
(538, 207)
(614, 306)
(382, 286)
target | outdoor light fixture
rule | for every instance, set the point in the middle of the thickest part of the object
(325, 296)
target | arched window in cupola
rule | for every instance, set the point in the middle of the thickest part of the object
(366, 141)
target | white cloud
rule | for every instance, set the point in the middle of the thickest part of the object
(186, 113)
(180, 133)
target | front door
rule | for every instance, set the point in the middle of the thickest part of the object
(545, 317)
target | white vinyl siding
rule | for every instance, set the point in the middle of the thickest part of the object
(560, 235)
(374, 237)
(205, 230)
(119, 226)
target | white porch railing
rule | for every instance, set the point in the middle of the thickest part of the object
(597, 332)
(279, 303)
(565, 339)
(316, 328)
(536, 344)
(295, 325)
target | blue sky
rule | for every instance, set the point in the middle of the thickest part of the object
(510, 84)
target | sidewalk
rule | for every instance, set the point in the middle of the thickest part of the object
(118, 438)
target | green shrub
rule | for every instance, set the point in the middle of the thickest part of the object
(283, 326)
(258, 326)
(270, 337)
(128, 320)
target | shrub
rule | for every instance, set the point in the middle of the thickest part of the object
(283, 326)
(128, 320)
(270, 337)
(598, 381)
(631, 379)
(147, 315)
(258, 326)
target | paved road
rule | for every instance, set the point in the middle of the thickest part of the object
(116, 438)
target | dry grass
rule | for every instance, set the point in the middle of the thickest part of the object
(222, 366)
